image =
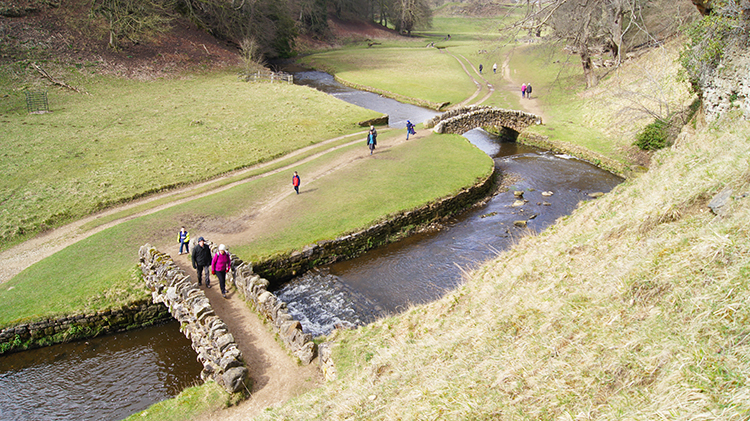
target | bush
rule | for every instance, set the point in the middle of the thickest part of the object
(654, 136)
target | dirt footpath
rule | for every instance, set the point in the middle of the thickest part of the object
(276, 376)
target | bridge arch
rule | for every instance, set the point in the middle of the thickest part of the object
(461, 120)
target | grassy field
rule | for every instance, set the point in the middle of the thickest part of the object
(414, 72)
(98, 272)
(130, 138)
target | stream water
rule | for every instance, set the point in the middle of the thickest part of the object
(106, 378)
(111, 377)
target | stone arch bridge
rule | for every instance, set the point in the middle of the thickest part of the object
(461, 120)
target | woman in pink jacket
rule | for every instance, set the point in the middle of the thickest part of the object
(219, 266)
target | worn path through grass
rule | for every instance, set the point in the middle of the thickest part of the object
(34, 250)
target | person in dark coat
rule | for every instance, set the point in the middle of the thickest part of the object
(409, 129)
(371, 141)
(202, 261)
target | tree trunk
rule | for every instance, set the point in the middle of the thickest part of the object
(588, 66)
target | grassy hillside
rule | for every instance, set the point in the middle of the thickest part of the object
(635, 307)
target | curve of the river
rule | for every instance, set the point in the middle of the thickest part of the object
(423, 267)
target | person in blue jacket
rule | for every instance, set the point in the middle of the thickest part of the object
(409, 129)
(371, 141)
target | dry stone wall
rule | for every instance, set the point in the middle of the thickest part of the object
(65, 329)
(255, 290)
(217, 351)
(463, 119)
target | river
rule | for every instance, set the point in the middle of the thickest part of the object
(424, 267)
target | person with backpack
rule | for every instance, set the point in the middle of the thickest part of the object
(528, 91)
(295, 182)
(409, 129)
(220, 265)
(202, 261)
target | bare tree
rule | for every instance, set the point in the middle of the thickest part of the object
(589, 26)
(133, 19)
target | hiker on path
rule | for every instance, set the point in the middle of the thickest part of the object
(371, 142)
(494, 68)
(295, 182)
(528, 91)
(374, 134)
(184, 239)
(202, 261)
(220, 265)
(523, 91)
(480, 69)
(409, 129)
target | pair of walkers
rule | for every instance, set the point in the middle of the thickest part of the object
(219, 264)
(526, 90)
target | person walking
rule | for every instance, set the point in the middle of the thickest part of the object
(494, 68)
(184, 239)
(219, 267)
(374, 134)
(295, 182)
(528, 91)
(409, 129)
(202, 261)
(480, 68)
(523, 91)
(371, 142)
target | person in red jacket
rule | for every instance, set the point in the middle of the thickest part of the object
(219, 267)
(295, 182)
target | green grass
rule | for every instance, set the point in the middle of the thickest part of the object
(401, 178)
(130, 138)
(413, 72)
(96, 273)
(209, 186)
(207, 397)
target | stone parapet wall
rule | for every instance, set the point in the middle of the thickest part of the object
(286, 266)
(254, 289)
(217, 351)
(463, 119)
(65, 329)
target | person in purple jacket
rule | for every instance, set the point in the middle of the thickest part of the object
(219, 267)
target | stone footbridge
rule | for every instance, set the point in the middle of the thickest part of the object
(461, 120)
